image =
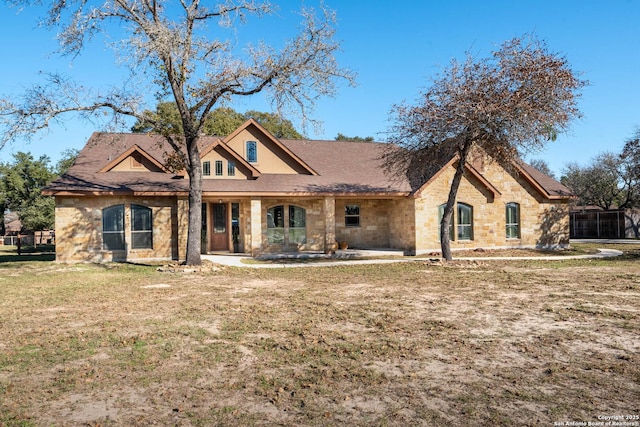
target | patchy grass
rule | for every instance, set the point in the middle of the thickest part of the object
(481, 343)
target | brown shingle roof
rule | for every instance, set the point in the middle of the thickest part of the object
(342, 168)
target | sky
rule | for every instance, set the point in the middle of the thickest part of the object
(396, 49)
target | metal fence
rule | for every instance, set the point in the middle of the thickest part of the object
(597, 225)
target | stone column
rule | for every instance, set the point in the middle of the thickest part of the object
(256, 226)
(329, 224)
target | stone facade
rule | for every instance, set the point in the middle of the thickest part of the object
(79, 219)
(543, 223)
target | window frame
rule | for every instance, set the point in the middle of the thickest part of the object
(464, 227)
(352, 219)
(510, 225)
(146, 230)
(251, 151)
(206, 168)
(297, 232)
(118, 228)
(275, 226)
(218, 167)
(231, 168)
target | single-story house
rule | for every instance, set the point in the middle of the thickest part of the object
(264, 194)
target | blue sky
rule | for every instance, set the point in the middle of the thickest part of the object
(396, 49)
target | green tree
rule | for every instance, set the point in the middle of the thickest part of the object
(278, 126)
(173, 53)
(220, 122)
(516, 100)
(22, 182)
(67, 158)
(607, 182)
(341, 137)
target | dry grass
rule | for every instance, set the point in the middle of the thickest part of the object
(478, 343)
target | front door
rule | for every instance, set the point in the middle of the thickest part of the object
(219, 235)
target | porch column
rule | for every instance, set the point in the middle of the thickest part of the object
(329, 224)
(256, 226)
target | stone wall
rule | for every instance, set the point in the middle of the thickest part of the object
(374, 228)
(79, 229)
(543, 223)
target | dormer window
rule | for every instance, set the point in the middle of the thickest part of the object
(252, 151)
(206, 168)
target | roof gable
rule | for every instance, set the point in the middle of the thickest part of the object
(134, 159)
(469, 169)
(228, 153)
(272, 155)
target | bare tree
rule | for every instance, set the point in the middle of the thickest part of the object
(631, 156)
(514, 101)
(170, 52)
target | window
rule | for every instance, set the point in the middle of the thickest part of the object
(513, 220)
(141, 227)
(440, 216)
(297, 225)
(113, 228)
(218, 167)
(252, 152)
(231, 169)
(275, 224)
(352, 216)
(206, 168)
(465, 222)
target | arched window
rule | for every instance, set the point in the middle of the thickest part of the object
(113, 228)
(297, 225)
(513, 221)
(141, 227)
(275, 224)
(465, 222)
(252, 151)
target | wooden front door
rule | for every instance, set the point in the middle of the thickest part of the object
(219, 229)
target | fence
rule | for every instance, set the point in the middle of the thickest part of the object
(597, 225)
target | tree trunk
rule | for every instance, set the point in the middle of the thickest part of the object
(195, 203)
(447, 217)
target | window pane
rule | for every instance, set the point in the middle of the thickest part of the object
(513, 221)
(140, 218)
(352, 215)
(297, 225)
(275, 224)
(275, 217)
(297, 216)
(113, 218)
(252, 152)
(206, 168)
(219, 218)
(113, 228)
(113, 241)
(465, 222)
(218, 167)
(231, 169)
(142, 240)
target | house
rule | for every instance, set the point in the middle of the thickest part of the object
(263, 194)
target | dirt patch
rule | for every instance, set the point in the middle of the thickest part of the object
(515, 343)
